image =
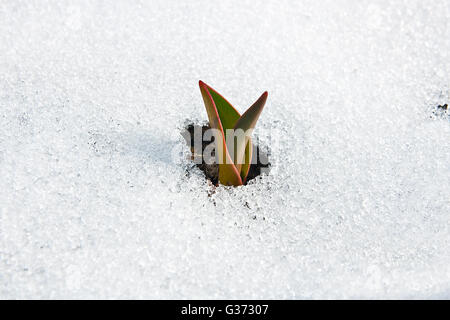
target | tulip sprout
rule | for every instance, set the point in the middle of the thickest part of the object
(232, 134)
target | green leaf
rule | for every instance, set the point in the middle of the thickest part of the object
(247, 161)
(243, 147)
(233, 169)
(227, 113)
(216, 108)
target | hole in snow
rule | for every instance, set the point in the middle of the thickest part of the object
(211, 171)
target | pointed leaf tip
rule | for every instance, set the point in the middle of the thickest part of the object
(249, 118)
(242, 151)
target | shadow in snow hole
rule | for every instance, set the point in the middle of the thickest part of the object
(211, 171)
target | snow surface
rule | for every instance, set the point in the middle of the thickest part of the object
(95, 199)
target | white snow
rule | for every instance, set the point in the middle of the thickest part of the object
(95, 202)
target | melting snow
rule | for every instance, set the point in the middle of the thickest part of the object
(98, 200)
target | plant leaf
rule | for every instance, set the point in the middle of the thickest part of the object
(216, 106)
(243, 147)
(228, 115)
(247, 161)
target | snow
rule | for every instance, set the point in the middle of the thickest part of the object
(97, 199)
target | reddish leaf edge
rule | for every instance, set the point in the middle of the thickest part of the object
(227, 154)
(201, 83)
(264, 96)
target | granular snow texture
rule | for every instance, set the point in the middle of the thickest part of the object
(99, 200)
